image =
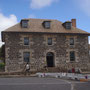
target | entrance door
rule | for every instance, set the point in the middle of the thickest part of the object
(50, 59)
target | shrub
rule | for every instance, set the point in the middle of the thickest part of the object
(2, 65)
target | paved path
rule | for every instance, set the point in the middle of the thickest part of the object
(34, 83)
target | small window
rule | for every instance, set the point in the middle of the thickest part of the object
(49, 41)
(26, 41)
(26, 56)
(72, 56)
(71, 41)
(24, 24)
(68, 25)
(47, 24)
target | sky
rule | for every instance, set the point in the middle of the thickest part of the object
(12, 11)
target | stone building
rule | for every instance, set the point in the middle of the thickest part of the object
(45, 42)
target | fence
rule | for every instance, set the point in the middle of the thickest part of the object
(72, 76)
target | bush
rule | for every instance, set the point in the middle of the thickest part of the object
(2, 65)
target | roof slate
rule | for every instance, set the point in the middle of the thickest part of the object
(35, 25)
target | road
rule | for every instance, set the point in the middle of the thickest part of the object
(34, 83)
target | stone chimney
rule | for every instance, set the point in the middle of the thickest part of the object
(73, 22)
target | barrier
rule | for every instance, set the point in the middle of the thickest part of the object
(72, 76)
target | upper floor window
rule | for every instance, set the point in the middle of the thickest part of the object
(26, 56)
(24, 23)
(67, 25)
(47, 24)
(26, 40)
(71, 41)
(49, 41)
(72, 56)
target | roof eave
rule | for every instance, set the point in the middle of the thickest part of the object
(46, 33)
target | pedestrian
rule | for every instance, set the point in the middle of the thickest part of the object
(27, 68)
(73, 70)
(86, 77)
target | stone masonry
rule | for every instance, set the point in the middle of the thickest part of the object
(38, 48)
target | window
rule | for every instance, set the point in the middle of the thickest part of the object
(26, 57)
(49, 41)
(68, 25)
(26, 41)
(71, 41)
(72, 56)
(24, 24)
(47, 24)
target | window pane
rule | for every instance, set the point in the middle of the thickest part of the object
(49, 41)
(72, 56)
(47, 24)
(26, 41)
(68, 25)
(71, 41)
(24, 24)
(26, 56)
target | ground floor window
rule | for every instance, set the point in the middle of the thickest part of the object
(72, 56)
(26, 56)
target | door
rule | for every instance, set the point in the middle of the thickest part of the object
(50, 59)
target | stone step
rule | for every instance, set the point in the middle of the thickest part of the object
(52, 69)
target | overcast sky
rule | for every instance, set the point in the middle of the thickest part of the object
(12, 11)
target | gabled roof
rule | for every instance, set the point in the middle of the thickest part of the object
(35, 25)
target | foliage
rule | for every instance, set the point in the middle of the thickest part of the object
(2, 53)
(2, 65)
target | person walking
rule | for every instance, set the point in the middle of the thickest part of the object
(27, 69)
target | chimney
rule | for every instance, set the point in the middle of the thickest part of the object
(73, 22)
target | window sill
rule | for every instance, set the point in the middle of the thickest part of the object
(26, 45)
(49, 45)
(72, 61)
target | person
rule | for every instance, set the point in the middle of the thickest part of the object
(27, 68)
(73, 70)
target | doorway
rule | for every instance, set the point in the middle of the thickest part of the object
(50, 59)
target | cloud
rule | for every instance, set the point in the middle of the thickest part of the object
(6, 22)
(37, 4)
(84, 5)
(32, 16)
(89, 40)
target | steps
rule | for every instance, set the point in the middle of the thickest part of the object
(52, 69)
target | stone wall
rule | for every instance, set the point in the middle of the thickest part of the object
(38, 48)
